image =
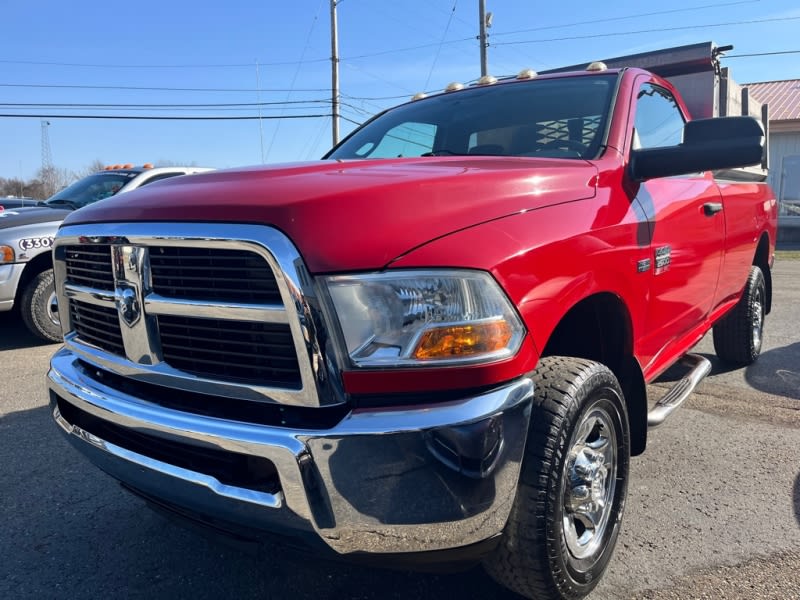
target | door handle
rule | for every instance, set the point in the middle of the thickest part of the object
(712, 208)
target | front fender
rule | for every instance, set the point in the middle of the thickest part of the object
(548, 260)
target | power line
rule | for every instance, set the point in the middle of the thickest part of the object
(159, 89)
(762, 54)
(184, 106)
(439, 49)
(156, 66)
(624, 17)
(377, 97)
(350, 120)
(424, 46)
(296, 73)
(408, 49)
(165, 118)
(640, 31)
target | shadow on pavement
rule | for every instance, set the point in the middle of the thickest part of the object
(70, 532)
(796, 498)
(14, 334)
(777, 372)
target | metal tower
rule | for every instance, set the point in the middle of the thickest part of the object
(47, 156)
(48, 174)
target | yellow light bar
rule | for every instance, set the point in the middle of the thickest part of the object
(6, 254)
(463, 340)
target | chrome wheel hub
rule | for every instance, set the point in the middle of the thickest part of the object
(758, 318)
(590, 482)
(52, 309)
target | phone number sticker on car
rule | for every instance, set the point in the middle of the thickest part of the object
(37, 242)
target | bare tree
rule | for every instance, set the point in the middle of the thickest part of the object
(93, 167)
(13, 187)
(53, 179)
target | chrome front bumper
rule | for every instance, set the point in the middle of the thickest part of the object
(412, 479)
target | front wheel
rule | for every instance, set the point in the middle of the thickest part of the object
(739, 334)
(566, 516)
(39, 307)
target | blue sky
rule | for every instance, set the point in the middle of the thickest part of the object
(87, 52)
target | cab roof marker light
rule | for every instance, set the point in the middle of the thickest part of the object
(147, 166)
(419, 96)
(597, 66)
(487, 80)
(454, 87)
(527, 74)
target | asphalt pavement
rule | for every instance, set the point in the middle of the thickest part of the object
(713, 507)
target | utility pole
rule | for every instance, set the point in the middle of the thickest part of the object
(334, 74)
(484, 44)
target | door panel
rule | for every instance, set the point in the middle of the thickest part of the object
(686, 247)
(686, 233)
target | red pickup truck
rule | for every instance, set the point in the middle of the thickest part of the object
(433, 345)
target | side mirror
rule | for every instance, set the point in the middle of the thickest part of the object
(708, 145)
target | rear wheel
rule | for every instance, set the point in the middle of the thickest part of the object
(738, 336)
(39, 307)
(566, 516)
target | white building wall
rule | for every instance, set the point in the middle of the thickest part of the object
(784, 178)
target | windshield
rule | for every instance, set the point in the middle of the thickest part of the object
(91, 189)
(564, 117)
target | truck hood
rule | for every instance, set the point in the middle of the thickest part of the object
(31, 215)
(362, 214)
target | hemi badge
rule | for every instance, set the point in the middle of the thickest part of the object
(643, 265)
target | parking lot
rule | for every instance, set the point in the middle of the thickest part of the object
(713, 507)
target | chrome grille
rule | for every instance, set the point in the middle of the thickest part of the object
(225, 310)
(90, 266)
(97, 325)
(238, 351)
(212, 274)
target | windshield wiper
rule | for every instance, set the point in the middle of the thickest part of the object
(443, 152)
(73, 205)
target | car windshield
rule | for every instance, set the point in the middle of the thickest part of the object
(563, 117)
(91, 189)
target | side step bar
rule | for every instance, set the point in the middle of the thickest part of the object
(699, 367)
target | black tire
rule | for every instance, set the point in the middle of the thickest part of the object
(576, 403)
(36, 308)
(739, 334)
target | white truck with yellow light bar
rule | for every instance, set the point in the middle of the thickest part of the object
(26, 238)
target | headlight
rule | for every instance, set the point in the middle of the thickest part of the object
(414, 318)
(6, 255)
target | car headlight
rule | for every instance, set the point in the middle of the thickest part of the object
(6, 255)
(416, 318)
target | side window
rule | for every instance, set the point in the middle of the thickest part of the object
(408, 139)
(659, 121)
(159, 177)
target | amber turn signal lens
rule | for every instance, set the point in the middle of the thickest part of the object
(6, 254)
(463, 340)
